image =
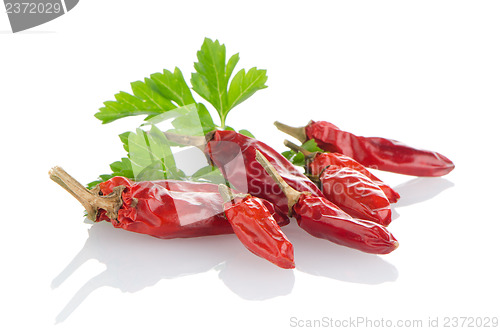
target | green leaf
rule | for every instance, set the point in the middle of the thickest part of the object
(173, 87)
(160, 93)
(119, 168)
(246, 133)
(244, 85)
(209, 174)
(212, 74)
(288, 155)
(311, 146)
(178, 112)
(196, 122)
(298, 159)
(160, 148)
(211, 79)
(124, 139)
(206, 120)
(151, 150)
(147, 91)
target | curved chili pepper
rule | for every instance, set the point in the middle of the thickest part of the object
(256, 228)
(234, 154)
(149, 207)
(323, 219)
(356, 194)
(373, 152)
(317, 162)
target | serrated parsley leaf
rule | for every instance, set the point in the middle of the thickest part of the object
(211, 79)
(173, 87)
(244, 85)
(297, 158)
(151, 150)
(155, 95)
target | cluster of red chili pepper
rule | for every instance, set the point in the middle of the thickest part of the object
(337, 198)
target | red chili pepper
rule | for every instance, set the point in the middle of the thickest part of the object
(256, 228)
(323, 219)
(234, 154)
(356, 194)
(373, 152)
(317, 162)
(150, 207)
(339, 161)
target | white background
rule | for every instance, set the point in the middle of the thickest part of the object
(423, 72)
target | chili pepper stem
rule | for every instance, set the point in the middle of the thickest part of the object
(291, 194)
(296, 148)
(228, 195)
(298, 133)
(197, 141)
(91, 200)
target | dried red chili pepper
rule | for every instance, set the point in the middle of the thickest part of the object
(234, 154)
(317, 162)
(150, 207)
(356, 194)
(256, 228)
(373, 152)
(323, 219)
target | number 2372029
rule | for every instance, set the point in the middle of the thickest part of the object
(33, 8)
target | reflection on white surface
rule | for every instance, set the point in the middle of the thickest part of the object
(322, 258)
(134, 262)
(419, 189)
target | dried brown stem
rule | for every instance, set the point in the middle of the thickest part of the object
(298, 133)
(226, 193)
(196, 141)
(291, 194)
(91, 200)
(297, 148)
(229, 195)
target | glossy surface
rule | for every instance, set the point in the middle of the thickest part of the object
(379, 153)
(338, 161)
(322, 219)
(256, 228)
(356, 194)
(172, 209)
(234, 154)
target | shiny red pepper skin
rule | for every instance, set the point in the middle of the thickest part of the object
(339, 161)
(256, 228)
(379, 153)
(154, 208)
(225, 148)
(322, 219)
(356, 194)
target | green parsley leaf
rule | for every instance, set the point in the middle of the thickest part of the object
(311, 146)
(173, 87)
(209, 174)
(158, 94)
(119, 168)
(211, 79)
(151, 150)
(298, 159)
(246, 133)
(212, 74)
(244, 85)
